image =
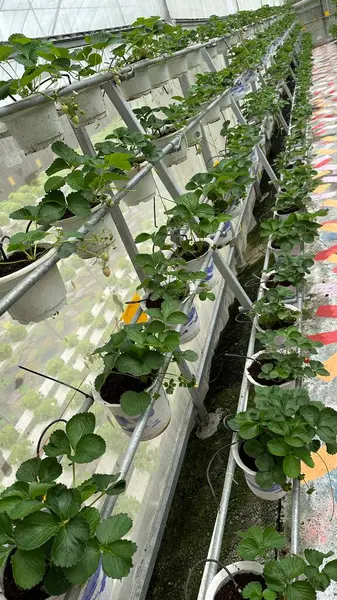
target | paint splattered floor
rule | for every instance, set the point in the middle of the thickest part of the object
(318, 516)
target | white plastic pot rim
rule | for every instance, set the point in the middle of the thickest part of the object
(222, 577)
(34, 264)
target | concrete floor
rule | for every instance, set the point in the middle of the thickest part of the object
(318, 512)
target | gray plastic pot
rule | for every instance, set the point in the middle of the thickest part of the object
(158, 74)
(34, 128)
(91, 102)
(194, 59)
(137, 86)
(276, 492)
(212, 115)
(194, 135)
(44, 299)
(144, 191)
(287, 384)
(175, 157)
(177, 66)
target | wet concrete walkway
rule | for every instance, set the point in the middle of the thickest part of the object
(318, 510)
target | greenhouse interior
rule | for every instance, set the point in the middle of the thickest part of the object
(168, 221)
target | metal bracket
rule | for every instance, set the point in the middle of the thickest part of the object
(208, 60)
(232, 281)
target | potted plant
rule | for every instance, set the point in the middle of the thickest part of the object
(51, 538)
(24, 253)
(288, 235)
(142, 42)
(273, 312)
(193, 245)
(132, 360)
(88, 179)
(163, 129)
(139, 149)
(33, 127)
(289, 272)
(280, 362)
(284, 578)
(282, 429)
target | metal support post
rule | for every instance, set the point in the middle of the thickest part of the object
(197, 401)
(185, 84)
(283, 121)
(208, 60)
(287, 91)
(129, 118)
(115, 211)
(292, 74)
(232, 281)
(237, 112)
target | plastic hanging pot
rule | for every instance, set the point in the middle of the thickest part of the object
(280, 339)
(139, 85)
(10, 585)
(97, 240)
(192, 328)
(195, 265)
(258, 356)
(158, 74)
(177, 66)
(144, 191)
(221, 47)
(157, 422)
(194, 135)
(225, 101)
(295, 251)
(291, 288)
(34, 128)
(212, 51)
(222, 578)
(91, 102)
(276, 492)
(212, 115)
(194, 59)
(44, 299)
(175, 157)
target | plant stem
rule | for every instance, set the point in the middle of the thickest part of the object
(74, 476)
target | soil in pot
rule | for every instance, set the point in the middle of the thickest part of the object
(153, 303)
(229, 591)
(196, 250)
(116, 385)
(278, 325)
(271, 284)
(256, 368)
(18, 261)
(13, 592)
(288, 211)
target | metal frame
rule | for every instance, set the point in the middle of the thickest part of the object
(215, 546)
(225, 268)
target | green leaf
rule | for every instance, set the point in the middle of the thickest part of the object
(78, 426)
(249, 549)
(57, 165)
(254, 588)
(68, 154)
(29, 470)
(120, 160)
(269, 594)
(39, 489)
(272, 538)
(305, 456)
(314, 557)
(64, 502)
(117, 558)
(331, 569)
(54, 183)
(78, 204)
(5, 52)
(264, 479)
(301, 590)
(91, 515)
(28, 568)
(320, 581)
(49, 212)
(75, 180)
(5, 551)
(113, 528)
(90, 447)
(331, 448)
(103, 481)
(131, 365)
(135, 403)
(25, 508)
(86, 567)
(253, 448)
(55, 582)
(50, 469)
(291, 466)
(9, 503)
(265, 462)
(35, 530)
(278, 447)
(58, 444)
(70, 542)
(176, 318)
(249, 430)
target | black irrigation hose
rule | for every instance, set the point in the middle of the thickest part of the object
(54, 379)
(38, 447)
